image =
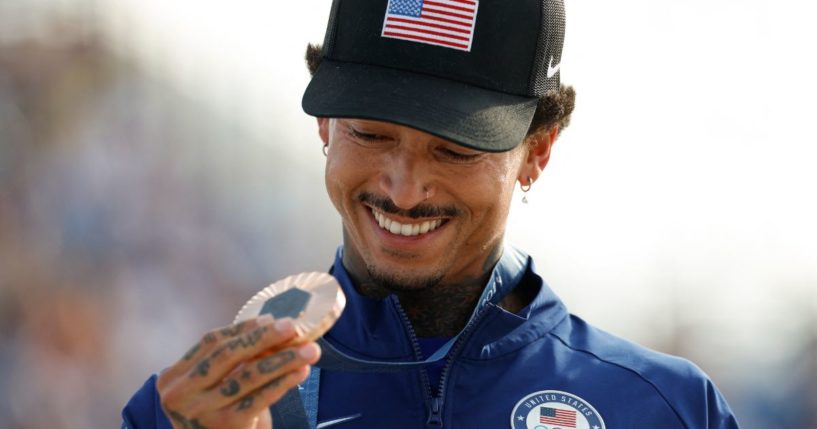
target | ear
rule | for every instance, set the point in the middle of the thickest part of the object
(323, 129)
(538, 154)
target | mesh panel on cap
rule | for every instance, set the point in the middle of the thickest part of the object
(331, 30)
(551, 39)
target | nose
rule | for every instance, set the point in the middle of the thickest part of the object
(407, 181)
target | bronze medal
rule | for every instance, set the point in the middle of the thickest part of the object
(313, 300)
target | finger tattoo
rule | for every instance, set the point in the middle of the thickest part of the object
(232, 330)
(272, 384)
(184, 421)
(248, 340)
(193, 350)
(202, 368)
(275, 362)
(246, 402)
(231, 389)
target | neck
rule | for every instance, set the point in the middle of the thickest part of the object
(441, 310)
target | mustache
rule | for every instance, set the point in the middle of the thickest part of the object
(386, 205)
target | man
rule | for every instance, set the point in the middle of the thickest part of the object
(430, 112)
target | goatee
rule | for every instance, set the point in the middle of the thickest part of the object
(397, 283)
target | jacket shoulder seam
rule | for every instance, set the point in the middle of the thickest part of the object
(628, 369)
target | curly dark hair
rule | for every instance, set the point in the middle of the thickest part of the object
(554, 108)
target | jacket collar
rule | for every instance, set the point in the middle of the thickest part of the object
(370, 328)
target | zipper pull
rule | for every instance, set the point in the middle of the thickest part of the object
(434, 417)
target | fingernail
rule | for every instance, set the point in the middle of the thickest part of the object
(284, 325)
(265, 319)
(309, 351)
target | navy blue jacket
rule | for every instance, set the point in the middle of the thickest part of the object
(541, 368)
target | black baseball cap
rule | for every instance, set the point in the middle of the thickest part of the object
(468, 71)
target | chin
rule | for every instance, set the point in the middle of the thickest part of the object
(403, 280)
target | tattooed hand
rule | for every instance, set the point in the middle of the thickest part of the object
(229, 378)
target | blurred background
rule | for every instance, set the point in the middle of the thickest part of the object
(156, 170)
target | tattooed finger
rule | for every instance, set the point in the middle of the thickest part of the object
(184, 421)
(271, 392)
(209, 369)
(233, 330)
(246, 341)
(195, 359)
(262, 373)
(274, 362)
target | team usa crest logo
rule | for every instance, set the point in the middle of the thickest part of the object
(554, 409)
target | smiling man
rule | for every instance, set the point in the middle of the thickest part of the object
(430, 113)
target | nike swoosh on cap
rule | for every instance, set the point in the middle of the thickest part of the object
(328, 423)
(553, 70)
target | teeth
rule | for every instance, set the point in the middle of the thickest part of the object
(395, 227)
(408, 230)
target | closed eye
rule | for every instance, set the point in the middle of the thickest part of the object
(455, 156)
(366, 136)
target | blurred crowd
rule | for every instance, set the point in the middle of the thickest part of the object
(79, 238)
(130, 222)
(122, 237)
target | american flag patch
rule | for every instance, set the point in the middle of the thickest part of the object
(555, 416)
(448, 23)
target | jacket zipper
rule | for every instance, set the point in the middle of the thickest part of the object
(435, 403)
(418, 355)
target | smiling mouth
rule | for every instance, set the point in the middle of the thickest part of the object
(405, 229)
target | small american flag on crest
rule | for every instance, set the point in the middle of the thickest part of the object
(555, 416)
(448, 23)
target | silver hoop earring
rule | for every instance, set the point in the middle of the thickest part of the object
(525, 189)
(326, 149)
